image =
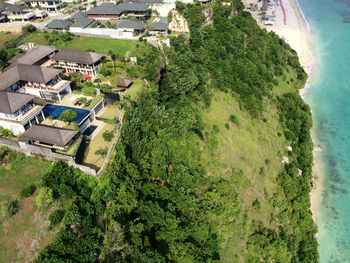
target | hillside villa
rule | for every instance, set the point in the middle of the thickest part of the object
(31, 90)
(85, 62)
(108, 11)
(48, 5)
(12, 13)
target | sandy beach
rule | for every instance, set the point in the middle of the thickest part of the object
(295, 32)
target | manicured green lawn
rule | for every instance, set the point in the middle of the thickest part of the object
(134, 89)
(19, 232)
(99, 45)
(110, 112)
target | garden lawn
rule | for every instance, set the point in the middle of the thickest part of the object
(7, 36)
(96, 143)
(99, 45)
(136, 87)
(110, 112)
(18, 233)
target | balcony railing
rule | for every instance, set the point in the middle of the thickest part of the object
(60, 85)
(76, 66)
(56, 87)
(29, 114)
(22, 16)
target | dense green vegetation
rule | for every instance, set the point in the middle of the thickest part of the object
(178, 190)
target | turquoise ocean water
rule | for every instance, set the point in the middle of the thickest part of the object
(328, 94)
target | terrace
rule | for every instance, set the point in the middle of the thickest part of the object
(29, 114)
(58, 86)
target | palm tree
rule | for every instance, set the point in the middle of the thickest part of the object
(113, 57)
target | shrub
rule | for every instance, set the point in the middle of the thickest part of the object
(28, 28)
(56, 217)
(68, 115)
(12, 207)
(44, 197)
(108, 135)
(227, 126)
(105, 72)
(256, 204)
(82, 100)
(267, 161)
(88, 90)
(5, 133)
(27, 191)
(233, 119)
(216, 128)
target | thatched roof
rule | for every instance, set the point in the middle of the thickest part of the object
(10, 102)
(49, 135)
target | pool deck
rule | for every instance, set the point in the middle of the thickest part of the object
(100, 125)
(70, 98)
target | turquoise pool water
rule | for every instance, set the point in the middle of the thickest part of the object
(56, 110)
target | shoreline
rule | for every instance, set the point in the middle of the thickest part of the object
(296, 32)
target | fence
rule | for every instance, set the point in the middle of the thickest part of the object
(109, 32)
(43, 153)
(115, 140)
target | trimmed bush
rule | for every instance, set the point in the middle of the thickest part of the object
(56, 217)
(28, 191)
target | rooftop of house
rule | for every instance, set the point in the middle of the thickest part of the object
(149, 1)
(11, 7)
(131, 24)
(42, 1)
(58, 24)
(10, 102)
(105, 9)
(77, 56)
(33, 55)
(113, 9)
(132, 7)
(83, 22)
(124, 83)
(158, 26)
(48, 135)
(79, 15)
(30, 73)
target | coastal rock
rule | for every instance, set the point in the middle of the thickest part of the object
(300, 172)
(285, 159)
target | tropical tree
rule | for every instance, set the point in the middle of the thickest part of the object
(68, 115)
(113, 57)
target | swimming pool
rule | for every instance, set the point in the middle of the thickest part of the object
(55, 111)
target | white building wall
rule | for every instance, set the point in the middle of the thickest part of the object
(16, 128)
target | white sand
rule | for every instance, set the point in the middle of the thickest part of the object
(296, 34)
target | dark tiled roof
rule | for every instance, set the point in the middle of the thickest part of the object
(32, 55)
(10, 102)
(83, 22)
(149, 1)
(158, 26)
(105, 9)
(41, 0)
(124, 83)
(79, 15)
(30, 73)
(133, 7)
(77, 56)
(58, 24)
(132, 24)
(11, 7)
(49, 135)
